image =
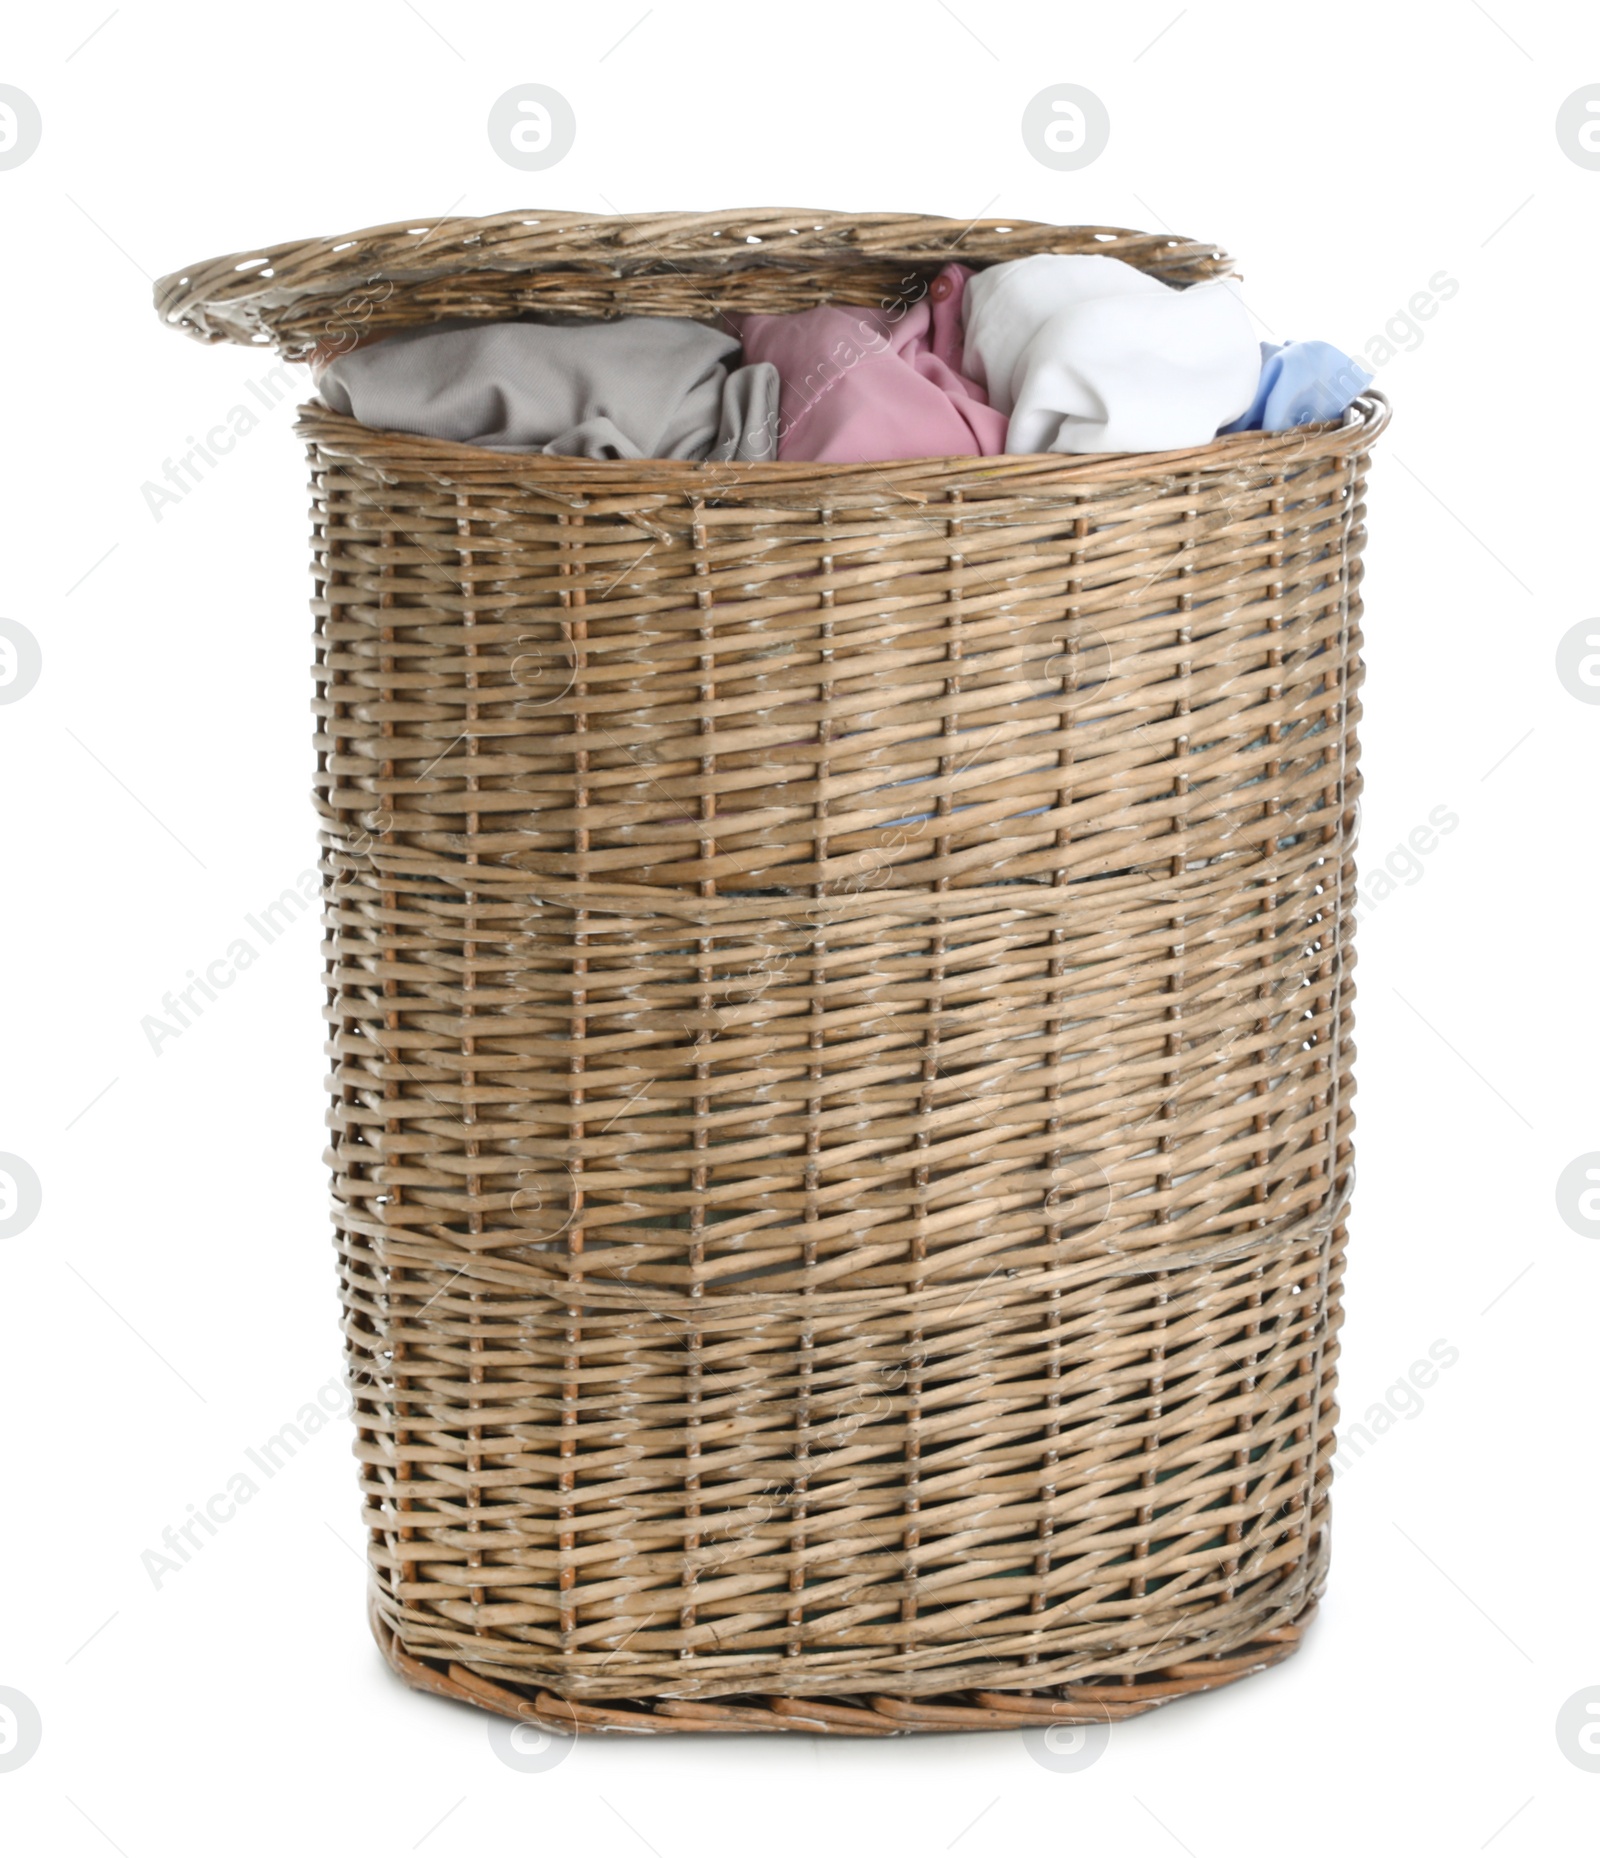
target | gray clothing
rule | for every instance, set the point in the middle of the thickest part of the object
(636, 387)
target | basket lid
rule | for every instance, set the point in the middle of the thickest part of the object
(383, 278)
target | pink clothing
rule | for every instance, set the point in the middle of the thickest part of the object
(863, 384)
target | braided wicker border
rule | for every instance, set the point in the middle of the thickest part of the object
(866, 1715)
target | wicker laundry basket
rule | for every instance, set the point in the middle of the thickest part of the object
(839, 988)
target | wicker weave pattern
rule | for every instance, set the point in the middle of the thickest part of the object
(335, 290)
(842, 1056)
(840, 1019)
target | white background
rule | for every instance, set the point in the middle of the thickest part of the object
(174, 1302)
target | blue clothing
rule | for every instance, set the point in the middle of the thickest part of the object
(1301, 383)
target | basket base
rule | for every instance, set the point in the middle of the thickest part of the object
(1108, 1702)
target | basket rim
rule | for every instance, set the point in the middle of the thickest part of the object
(229, 298)
(572, 481)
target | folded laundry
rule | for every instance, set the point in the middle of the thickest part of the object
(874, 383)
(1054, 353)
(1087, 354)
(1301, 383)
(636, 387)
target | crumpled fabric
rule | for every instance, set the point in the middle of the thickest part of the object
(866, 384)
(1301, 383)
(1087, 354)
(634, 387)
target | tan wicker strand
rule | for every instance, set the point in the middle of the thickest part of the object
(840, 1016)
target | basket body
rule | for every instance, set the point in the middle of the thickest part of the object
(840, 1015)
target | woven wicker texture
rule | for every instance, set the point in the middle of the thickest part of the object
(318, 291)
(840, 1018)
